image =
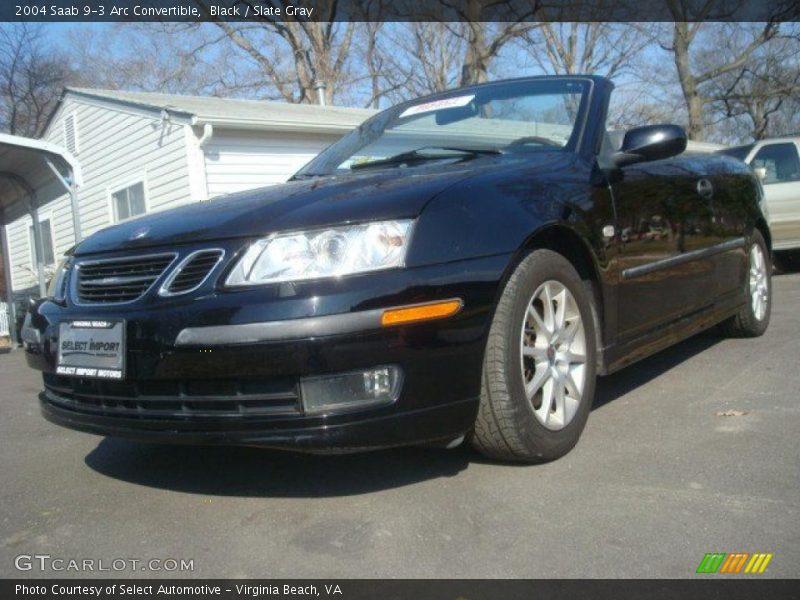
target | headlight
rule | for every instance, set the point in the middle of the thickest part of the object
(57, 290)
(330, 252)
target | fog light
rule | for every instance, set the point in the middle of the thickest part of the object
(351, 391)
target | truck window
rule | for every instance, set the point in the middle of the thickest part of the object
(780, 161)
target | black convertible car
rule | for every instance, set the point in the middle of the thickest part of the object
(465, 264)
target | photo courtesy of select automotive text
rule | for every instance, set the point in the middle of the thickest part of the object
(400, 299)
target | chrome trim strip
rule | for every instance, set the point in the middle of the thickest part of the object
(115, 280)
(680, 259)
(164, 289)
(75, 279)
(274, 331)
(290, 329)
(133, 258)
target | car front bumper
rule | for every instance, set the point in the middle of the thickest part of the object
(196, 366)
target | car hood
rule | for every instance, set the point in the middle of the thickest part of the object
(319, 202)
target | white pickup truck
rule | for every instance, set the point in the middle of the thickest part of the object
(777, 162)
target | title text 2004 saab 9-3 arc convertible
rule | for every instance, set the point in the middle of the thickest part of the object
(465, 264)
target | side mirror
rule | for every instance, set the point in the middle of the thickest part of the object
(651, 142)
(761, 173)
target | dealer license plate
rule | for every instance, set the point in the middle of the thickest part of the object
(92, 348)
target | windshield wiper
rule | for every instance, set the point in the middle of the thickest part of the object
(423, 154)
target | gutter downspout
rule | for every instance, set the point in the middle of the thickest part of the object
(208, 133)
(198, 158)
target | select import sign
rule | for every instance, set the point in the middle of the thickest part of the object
(92, 348)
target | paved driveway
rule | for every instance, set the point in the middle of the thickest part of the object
(658, 480)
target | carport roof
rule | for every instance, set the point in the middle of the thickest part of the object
(36, 171)
(23, 167)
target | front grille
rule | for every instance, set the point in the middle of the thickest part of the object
(192, 272)
(174, 399)
(119, 279)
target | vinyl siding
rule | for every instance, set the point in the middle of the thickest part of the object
(238, 161)
(117, 148)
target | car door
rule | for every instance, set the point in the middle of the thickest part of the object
(664, 222)
(781, 190)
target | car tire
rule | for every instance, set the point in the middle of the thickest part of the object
(529, 410)
(753, 318)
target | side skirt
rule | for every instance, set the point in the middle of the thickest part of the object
(618, 356)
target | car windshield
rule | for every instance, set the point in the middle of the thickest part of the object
(739, 152)
(497, 119)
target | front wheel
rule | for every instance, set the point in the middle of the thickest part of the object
(540, 363)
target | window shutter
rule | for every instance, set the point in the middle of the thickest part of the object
(71, 134)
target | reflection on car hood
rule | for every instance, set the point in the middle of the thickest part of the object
(319, 202)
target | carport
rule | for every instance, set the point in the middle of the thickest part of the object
(33, 173)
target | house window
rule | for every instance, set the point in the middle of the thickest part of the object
(129, 202)
(47, 243)
(71, 134)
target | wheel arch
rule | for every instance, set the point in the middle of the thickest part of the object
(565, 241)
(762, 227)
(569, 244)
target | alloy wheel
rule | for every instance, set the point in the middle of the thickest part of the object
(553, 344)
(759, 283)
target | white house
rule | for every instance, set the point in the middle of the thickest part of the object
(142, 152)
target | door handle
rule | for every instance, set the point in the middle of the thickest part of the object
(705, 188)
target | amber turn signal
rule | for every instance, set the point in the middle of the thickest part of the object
(421, 312)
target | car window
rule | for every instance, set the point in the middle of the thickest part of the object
(780, 161)
(504, 118)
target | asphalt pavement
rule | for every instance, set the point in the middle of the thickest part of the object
(694, 450)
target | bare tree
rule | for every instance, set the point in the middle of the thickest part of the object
(699, 66)
(455, 45)
(423, 58)
(377, 52)
(758, 94)
(437, 49)
(31, 79)
(594, 47)
(478, 24)
(318, 51)
(375, 61)
(157, 57)
(641, 103)
(484, 41)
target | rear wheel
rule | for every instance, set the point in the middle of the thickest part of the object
(539, 367)
(753, 319)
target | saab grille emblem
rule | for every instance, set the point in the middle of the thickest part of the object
(735, 562)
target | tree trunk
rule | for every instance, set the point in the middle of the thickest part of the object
(694, 102)
(475, 68)
(696, 128)
(760, 121)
